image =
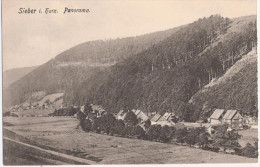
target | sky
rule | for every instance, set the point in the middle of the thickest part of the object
(33, 39)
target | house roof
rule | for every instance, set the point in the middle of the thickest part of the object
(230, 114)
(142, 116)
(120, 113)
(136, 112)
(217, 113)
(167, 115)
(162, 119)
(156, 117)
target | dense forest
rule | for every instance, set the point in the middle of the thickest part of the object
(164, 77)
(239, 92)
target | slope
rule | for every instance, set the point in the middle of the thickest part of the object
(13, 75)
(236, 89)
(77, 64)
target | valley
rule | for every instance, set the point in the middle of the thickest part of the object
(167, 97)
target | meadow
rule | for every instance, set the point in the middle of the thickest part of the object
(63, 135)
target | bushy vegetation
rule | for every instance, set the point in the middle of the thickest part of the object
(199, 137)
(71, 111)
(9, 114)
(226, 139)
(250, 150)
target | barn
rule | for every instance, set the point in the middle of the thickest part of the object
(216, 117)
(233, 118)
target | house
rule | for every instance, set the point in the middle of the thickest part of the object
(121, 115)
(233, 118)
(216, 117)
(162, 120)
(155, 119)
(26, 106)
(171, 117)
(82, 108)
(209, 128)
(98, 110)
(141, 116)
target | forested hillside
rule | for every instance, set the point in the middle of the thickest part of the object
(237, 89)
(78, 63)
(164, 77)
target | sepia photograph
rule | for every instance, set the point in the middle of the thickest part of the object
(132, 82)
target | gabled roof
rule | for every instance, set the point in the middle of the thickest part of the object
(142, 116)
(136, 112)
(167, 115)
(156, 117)
(217, 113)
(163, 119)
(230, 114)
(120, 113)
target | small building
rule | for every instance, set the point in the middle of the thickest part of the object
(233, 118)
(82, 108)
(155, 119)
(141, 116)
(171, 117)
(101, 112)
(162, 120)
(208, 128)
(216, 117)
(121, 115)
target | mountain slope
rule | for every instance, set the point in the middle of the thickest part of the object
(236, 89)
(13, 75)
(164, 77)
(77, 64)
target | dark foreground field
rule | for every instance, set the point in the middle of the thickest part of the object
(67, 143)
(17, 154)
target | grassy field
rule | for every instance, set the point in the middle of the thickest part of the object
(62, 135)
(17, 154)
(248, 136)
(34, 112)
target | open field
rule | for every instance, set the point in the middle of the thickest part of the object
(34, 112)
(17, 154)
(62, 135)
(248, 136)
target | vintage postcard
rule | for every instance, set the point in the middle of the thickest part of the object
(129, 82)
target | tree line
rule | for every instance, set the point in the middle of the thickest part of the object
(130, 128)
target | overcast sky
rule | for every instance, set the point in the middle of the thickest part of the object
(33, 39)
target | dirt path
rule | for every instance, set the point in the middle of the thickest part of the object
(80, 160)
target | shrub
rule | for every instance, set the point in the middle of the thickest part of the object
(131, 118)
(86, 125)
(180, 135)
(249, 151)
(147, 124)
(153, 132)
(226, 139)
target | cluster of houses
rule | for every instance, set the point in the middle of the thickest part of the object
(27, 106)
(97, 111)
(233, 118)
(156, 119)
